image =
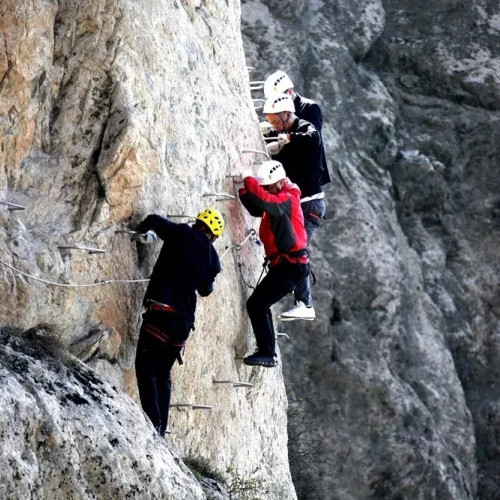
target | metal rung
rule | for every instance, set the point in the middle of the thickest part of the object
(224, 196)
(77, 247)
(258, 151)
(258, 100)
(283, 335)
(12, 206)
(250, 68)
(234, 383)
(125, 231)
(256, 87)
(258, 82)
(191, 406)
(172, 216)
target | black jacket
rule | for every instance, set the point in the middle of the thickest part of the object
(308, 110)
(301, 157)
(187, 263)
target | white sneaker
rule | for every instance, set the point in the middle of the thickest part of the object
(299, 311)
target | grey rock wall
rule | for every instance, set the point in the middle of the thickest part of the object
(393, 389)
(110, 110)
(67, 434)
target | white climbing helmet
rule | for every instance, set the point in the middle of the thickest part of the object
(277, 83)
(278, 103)
(270, 172)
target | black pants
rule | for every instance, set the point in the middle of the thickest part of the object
(280, 280)
(153, 364)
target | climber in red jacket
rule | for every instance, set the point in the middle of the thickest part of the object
(273, 197)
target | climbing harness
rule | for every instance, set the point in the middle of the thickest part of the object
(313, 276)
(153, 305)
(293, 255)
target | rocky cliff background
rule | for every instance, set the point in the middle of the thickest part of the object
(394, 388)
(112, 109)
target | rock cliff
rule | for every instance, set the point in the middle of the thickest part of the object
(110, 110)
(394, 389)
(113, 109)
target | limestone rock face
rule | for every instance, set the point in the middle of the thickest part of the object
(111, 110)
(67, 434)
(394, 387)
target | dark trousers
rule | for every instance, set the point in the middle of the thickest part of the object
(313, 210)
(153, 364)
(280, 280)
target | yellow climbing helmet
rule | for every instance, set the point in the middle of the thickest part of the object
(213, 219)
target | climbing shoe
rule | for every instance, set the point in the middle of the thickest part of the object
(298, 311)
(258, 359)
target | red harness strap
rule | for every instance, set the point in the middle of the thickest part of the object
(297, 257)
(314, 216)
(156, 306)
(164, 337)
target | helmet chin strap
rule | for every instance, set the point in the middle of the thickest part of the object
(283, 126)
(284, 123)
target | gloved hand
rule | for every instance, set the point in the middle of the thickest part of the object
(148, 238)
(273, 148)
(283, 140)
(246, 173)
(265, 128)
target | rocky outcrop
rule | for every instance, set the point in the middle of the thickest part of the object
(110, 110)
(393, 389)
(68, 434)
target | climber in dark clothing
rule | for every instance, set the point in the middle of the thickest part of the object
(298, 148)
(305, 109)
(188, 263)
(274, 198)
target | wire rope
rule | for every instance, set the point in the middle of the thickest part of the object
(73, 285)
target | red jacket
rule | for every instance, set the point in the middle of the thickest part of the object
(282, 228)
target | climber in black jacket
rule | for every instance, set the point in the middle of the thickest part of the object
(305, 109)
(188, 263)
